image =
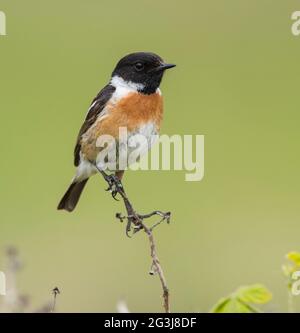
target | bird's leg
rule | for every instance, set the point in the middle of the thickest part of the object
(116, 187)
(114, 183)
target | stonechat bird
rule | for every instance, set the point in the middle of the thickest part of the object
(132, 100)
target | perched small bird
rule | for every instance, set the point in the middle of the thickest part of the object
(132, 99)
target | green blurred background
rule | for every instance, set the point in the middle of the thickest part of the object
(237, 82)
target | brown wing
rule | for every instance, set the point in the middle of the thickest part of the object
(95, 110)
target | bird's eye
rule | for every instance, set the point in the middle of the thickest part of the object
(139, 66)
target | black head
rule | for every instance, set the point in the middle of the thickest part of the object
(142, 68)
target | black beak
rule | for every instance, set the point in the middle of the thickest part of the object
(166, 66)
(163, 67)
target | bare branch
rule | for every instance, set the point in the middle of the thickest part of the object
(157, 268)
(137, 220)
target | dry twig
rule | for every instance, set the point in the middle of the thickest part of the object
(55, 292)
(116, 187)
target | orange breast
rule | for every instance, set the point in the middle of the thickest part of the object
(131, 112)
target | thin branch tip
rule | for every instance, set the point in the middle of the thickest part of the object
(137, 220)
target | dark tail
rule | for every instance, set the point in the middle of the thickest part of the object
(71, 197)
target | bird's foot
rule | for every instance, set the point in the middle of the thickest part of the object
(114, 185)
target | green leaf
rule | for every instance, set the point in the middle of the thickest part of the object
(235, 306)
(294, 257)
(232, 305)
(239, 301)
(257, 294)
(221, 304)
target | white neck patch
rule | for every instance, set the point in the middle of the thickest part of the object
(118, 82)
(123, 88)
